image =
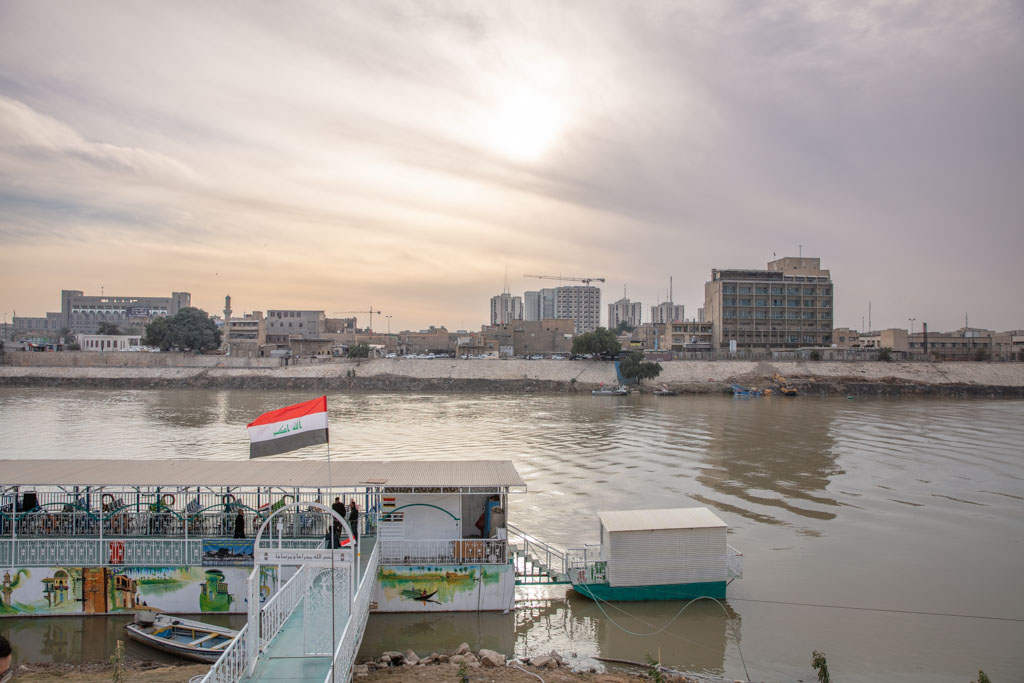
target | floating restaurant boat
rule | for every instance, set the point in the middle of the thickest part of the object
(673, 554)
(182, 637)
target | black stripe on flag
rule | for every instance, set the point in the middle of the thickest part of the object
(283, 444)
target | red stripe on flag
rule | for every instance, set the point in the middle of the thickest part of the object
(317, 405)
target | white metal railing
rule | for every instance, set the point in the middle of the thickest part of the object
(282, 604)
(100, 552)
(117, 551)
(733, 563)
(549, 556)
(352, 635)
(443, 551)
(585, 565)
(232, 665)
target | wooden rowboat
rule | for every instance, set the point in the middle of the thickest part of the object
(182, 637)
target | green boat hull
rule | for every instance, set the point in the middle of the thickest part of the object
(674, 591)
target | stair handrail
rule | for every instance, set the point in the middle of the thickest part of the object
(551, 553)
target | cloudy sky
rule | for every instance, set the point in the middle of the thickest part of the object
(406, 155)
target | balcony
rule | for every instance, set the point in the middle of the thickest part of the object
(443, 551)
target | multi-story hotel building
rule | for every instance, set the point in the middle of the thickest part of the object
(667, 312)
(581, 303)
(789, 305)
(626, 311)
(505, 308)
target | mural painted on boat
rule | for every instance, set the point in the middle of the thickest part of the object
(443, 588)
(227, 553)
(98, 590)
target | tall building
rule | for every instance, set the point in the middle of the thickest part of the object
(788, 305)
(505, 308)
(539, 305)
(626, 311)
(581, 303)
(667, 312)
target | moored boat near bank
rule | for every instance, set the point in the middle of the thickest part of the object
(185, 638)
(672, 554)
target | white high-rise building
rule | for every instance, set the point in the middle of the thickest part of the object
(667, 312)
(626, 311)
(582, 304)
(505, 308)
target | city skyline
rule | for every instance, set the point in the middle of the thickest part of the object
(384, 154)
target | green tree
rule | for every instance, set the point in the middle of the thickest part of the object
(635, 367)
(885, 354)
(361, 350)
(820, 664)
(623, 326)
(108, 328)
(600, 341)
(191, 329)
(158, 333)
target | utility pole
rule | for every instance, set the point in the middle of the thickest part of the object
(389, 324)
(911, 325)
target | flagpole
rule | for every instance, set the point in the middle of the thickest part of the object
(334, 542)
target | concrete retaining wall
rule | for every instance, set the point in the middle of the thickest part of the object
(519, 376)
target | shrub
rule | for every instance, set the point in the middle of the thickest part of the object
(885, 354)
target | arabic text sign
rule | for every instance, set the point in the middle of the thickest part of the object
(315, 557)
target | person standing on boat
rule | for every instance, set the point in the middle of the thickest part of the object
(353, 519)
(239, 524)
(339, 508)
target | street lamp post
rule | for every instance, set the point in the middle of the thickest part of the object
(389, 324)
(911, 325)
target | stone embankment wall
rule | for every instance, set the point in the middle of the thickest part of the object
(521, 376)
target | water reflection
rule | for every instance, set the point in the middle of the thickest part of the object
(769, 459)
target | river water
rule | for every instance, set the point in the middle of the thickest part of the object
(856, 517)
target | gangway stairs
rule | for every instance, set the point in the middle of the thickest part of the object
(536, 562)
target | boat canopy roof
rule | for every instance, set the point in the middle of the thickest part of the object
(653, 520)
(387, 475)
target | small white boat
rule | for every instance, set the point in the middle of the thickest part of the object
(183, 637)
(611, 391)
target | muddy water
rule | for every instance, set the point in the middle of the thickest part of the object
(865, 524)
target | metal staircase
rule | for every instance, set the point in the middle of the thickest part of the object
(535, 562)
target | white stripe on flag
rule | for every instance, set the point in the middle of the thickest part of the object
(278, 430)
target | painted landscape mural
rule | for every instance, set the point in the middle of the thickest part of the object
(97, 590)
(444, 588)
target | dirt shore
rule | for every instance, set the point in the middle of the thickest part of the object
(101, 672)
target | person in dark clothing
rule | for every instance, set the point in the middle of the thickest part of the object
(239, 525)
(339, 508)
(353, 519)
(6, 656)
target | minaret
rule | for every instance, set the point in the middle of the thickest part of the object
(227, 319)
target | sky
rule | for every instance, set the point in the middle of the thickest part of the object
(407, 155)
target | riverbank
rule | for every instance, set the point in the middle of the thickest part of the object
(541, 376)
(101, 672)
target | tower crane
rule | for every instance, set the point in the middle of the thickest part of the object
(371, 312)
(584, 280)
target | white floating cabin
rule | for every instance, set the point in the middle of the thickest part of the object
(671, 554)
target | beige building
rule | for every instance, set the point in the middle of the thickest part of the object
(532, 337)
(581, 304)
(245, 336)
(788, 305)
(845, 338)
(283, 326)
(894, 338)
(109, 342)
(688, 335)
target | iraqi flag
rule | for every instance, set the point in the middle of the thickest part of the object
(286, 429)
